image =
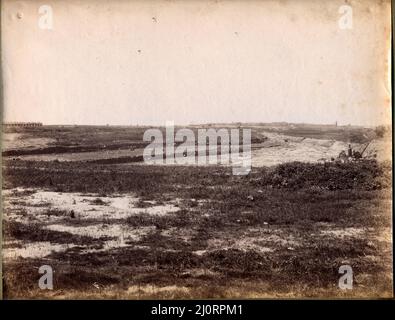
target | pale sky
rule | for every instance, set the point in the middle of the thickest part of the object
(146, 62)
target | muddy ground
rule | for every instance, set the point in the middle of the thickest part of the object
(135, 231)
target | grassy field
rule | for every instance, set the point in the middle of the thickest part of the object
(136, 231)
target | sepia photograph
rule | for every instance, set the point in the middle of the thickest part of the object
(197, 149)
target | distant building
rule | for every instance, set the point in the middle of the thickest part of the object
(22, 124)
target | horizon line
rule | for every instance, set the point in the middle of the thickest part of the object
(198, 124)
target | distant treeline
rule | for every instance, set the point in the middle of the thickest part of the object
(22, 124)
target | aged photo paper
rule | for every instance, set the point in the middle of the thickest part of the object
(196, 149)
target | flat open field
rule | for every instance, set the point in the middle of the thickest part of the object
(81, 200)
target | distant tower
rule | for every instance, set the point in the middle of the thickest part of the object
(336, 123)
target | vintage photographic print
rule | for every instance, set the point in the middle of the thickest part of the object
(196, 149)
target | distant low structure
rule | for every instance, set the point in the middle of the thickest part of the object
(22, 124)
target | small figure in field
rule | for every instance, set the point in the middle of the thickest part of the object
(349, 150)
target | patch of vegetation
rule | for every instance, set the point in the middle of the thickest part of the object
(33, 232)
(293, 199)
